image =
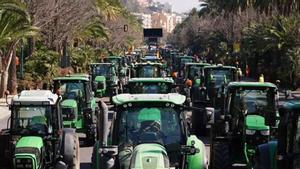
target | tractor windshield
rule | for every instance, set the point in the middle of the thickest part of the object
(140, 125)
(148, 71)
(255, 101)
(31, 119)
(141, 87)
(195, 72)
(72, 90)
(218, 77)
(103, 70)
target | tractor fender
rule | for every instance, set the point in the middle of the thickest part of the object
(70, 148)
(198, 160)
(266, 155)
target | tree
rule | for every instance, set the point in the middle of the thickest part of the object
(264, 6)
(15, 25)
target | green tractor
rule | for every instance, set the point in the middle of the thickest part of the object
(116, 60)
(210, 93)
(149, 69)
(285, 152)
(179, 62)
(78, 104)
(36, 138)
(195, 73)
(150, 85)
(148, 131)
(104, 76)
(238, 131)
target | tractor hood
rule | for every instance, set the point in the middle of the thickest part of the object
(149, 156)
(256, 122)
(28, 152)
(30, 141)
(69, 103)
(100, 79)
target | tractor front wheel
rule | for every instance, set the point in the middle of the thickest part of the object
(71, 150)
(220, 156)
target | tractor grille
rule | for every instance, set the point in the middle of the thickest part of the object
(24, 163)
(256, 139)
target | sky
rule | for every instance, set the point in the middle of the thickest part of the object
(182, 5)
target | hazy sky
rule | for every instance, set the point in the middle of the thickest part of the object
(182, 5)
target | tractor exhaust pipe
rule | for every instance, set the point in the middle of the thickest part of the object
(103, 124)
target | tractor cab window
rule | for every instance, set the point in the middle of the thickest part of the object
(219, 77)
(140, 125)
(73, 90)
(149, 88)
(254, 101)
(103, 70)
(148, 71)
(31, 120)
(195, 72)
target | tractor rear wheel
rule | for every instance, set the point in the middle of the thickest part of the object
(220, 156)
(71, 150)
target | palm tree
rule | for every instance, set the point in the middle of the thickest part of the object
(266, 6)
(15, 25)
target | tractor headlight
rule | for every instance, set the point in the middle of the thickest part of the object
(265, 132)
(250, 132)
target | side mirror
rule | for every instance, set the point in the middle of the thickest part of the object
(210, 112)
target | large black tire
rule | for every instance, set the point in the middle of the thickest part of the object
(71, 150)
(94, 156)
(199, 121)
(220, 158)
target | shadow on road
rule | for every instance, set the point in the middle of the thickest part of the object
(85, 165)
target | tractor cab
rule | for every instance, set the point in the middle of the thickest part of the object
(179, 63)
(116, 60)
(150, 130)
(104, 75)
(244, 124)
(210, 93)
(78, 104)
(284, 153)
(216, 77)
(149, 69)
(35, 132)
(194, 72)
(150, 85)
